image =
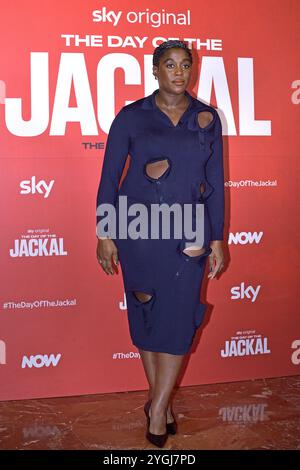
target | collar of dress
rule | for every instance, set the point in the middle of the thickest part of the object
(190, 114)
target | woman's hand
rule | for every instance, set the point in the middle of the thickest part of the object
(106, 251)
(216, 258)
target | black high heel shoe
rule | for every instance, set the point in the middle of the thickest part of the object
(171, 427)
(158, 440)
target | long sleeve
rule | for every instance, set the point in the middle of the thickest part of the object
(215, 176)
(116, 152)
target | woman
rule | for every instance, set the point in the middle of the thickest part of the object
(175, 144)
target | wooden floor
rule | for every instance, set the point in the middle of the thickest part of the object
(258, 414)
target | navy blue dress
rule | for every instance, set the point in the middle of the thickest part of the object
(168, 321)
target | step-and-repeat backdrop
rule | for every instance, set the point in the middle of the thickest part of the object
(66, 68)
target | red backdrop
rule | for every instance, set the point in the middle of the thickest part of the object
(63, 322)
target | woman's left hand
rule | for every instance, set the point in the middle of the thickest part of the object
(216, 258)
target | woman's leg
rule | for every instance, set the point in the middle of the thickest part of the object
(150, 360)
(162, 370)
(167, 370)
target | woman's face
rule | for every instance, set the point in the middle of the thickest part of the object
(174, 70)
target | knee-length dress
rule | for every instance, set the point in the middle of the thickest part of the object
(168, 320)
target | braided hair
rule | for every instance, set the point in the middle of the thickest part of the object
(160, 50)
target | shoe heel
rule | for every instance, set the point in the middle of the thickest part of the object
(158, 440)
(171, 427)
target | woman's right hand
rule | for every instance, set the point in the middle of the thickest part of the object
(106, 251)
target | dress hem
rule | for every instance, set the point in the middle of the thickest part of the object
(151, 349)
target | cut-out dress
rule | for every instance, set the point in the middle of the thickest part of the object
(168, 321)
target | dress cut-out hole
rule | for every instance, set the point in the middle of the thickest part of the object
(202, 188)
(193, 251)
(157, 169)
(204, 118)
(142, 296)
